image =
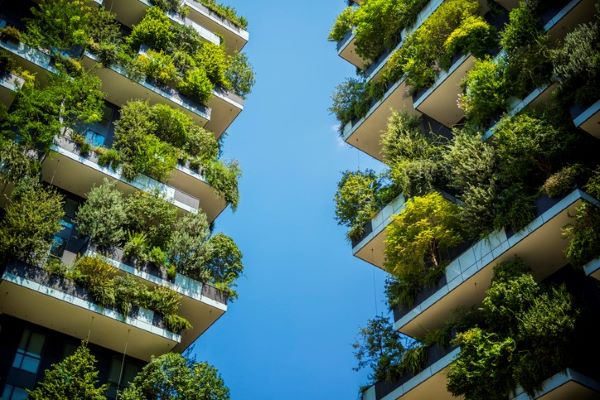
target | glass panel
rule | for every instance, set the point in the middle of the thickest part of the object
(18, 394)
(24, 339)
(18, 360)
(36, 343)
(115, 370)
(30, 364)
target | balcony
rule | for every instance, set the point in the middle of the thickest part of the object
(235, 37)
(560, 19)
(346, 49)
(593, 269)
(568, 384)
(540, 244)
(430, 383)
(119, 89)
(365, 134)
(371, 246)
(130, 12)
(539, 95)
(29, 293)
(201, 304)
(9, 84)
(589, 120)
(29, 58)
(66, 168)
(225, 106)
(373, 71)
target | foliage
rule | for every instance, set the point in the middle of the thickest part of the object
(226, 12)
(75, 377)
(455, 26)
(187, 245)
(32, 217)
(37, 115)
(526, 46)
(223, 264)
(380, 349)
(420, 234)
(577, 63)
(486, 92)
(154, 30)
(224, 179)
(527, 146)
(413, 156)
(136, 247)
(378, 24)
(10, 34)
(103, 215)
(359, 197)
(16, 162)
(196, 85)
(159, 67)
(563, 181)
(583, 233)
(59, 24)
(593, 185)
(171, 377)
(522, 337)
(240, 75)
(151, 214)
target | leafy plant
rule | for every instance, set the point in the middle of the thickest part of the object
(171, 376)
(159, 67)
(187, 245)
(196, 85)
(151, 214)
(176, 323)
(226, 12)
(240, 75)
(97, 276)
(223, 264)
(103, 215)
(224, 179)
(136, 247)
(31, 219)
(583, 234)
(75, 377)
(10, 34)
(563, 181)
(154, 30)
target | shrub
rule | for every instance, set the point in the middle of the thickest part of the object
(202, 144)
(172, 376)
(151, 214)
(16, 162)
(196, 85)
(240, 75)
(347, 104)
(343, 24)
(223, 263)
(10, 34)
(158, 67)
(593, 184)
(97, 276)
(55, 267)
(474, 36)
(583, 233)
(226, 12)
(32, 217)
(357, 200)
(380, 349)
(187, 245)
(103, 216)
(154, 30)
(59, 24)
(136, 247)
(577, 63)
(419, 236)
(485, 92)
(224, 179)
(214, 61)
(563, 181)
(75, 377)
(176, 323)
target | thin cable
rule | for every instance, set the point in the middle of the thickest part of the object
(123, 362)
(90, 330)
(374, 288)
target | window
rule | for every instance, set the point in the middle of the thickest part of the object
(129, 372)
(29, 352)
(14, 393)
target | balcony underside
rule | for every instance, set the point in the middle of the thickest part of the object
(568, 384)
(8, 87)
(540, 245)
(571, 15)
(593, 269)
(202, 305)
(59, 311)
(365, 134)
(347, 50)
(225, 107)
(440, 100)
(589, 120)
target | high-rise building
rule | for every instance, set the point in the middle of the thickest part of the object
(486, 115)
(115, 111)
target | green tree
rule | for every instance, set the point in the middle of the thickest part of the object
(32, 218)
(152, 214)
(59, 24)
(224, 263)
(103, 216)
(76, 377)
(240, 75)
(380, 349)
(187, 245)
(172, 377)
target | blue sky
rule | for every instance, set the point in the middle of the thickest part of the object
(303, 296)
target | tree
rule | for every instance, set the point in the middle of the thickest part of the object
(187, 246)
(223, 263)
(152, 214)
(380, 349)
(172, 377)
(240, 75)
(103, 216)
(32, 218)
(76, 377)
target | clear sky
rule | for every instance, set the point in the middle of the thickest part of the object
(303, 296)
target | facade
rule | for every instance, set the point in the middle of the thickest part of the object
(440, 87)
(46, 313)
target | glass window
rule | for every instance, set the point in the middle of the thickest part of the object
(29, 352)
(14, 393)
(61, 238)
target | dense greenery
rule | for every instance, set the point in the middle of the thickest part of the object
(377, 24)
(31, 219)
(523, 337)
(226, 12)
(171, 377)
(148, 230)
(75, 377)
(454, 28)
